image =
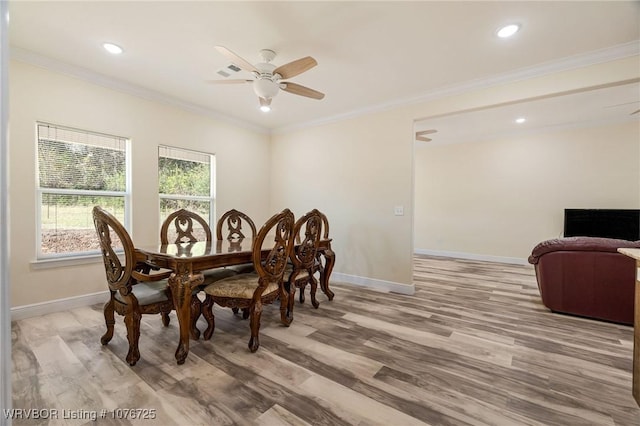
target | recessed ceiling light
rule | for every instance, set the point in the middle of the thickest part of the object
(114, 49)
(508, 30)
(520, 120)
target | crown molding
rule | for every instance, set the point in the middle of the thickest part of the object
(51, 64)
(533, 131)
(571, 62)
(609, 54)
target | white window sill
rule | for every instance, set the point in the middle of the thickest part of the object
(61, 262)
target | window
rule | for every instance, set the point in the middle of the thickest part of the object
(77, 170)
(186, 181)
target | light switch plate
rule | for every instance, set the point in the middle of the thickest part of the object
(398, 210)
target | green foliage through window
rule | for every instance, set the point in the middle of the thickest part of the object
(184, 177)
(185, 181)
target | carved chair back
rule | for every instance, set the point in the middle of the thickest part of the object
(325, 225)
(233, 220)
(308, 230)
(185, 231)
(118, 274)
(272, 268)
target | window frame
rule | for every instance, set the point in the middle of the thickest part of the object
(40, 192)
(211, 198)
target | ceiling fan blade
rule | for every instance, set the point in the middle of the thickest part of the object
(297, 89)
(426, 132)
(231, 81)
(421, 136)
(635, 112)
(296, 67)
(242, 63)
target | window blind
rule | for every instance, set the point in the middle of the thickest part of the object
(81, 160)
(183, 154)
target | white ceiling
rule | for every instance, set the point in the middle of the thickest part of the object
(370, 54)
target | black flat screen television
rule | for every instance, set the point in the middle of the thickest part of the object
(623, 224)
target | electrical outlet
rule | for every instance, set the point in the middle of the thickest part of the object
(398, 210)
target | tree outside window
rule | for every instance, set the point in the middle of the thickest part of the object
(186, 181)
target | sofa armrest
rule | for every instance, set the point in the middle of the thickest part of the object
(579, 244)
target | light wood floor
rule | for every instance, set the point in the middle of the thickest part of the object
(473, 346)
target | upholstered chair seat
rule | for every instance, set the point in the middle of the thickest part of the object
(240, 286)
(147, 293)
(302, 274)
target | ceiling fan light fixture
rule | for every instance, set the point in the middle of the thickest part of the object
(265, 104)
(508, 30)
(265, 88)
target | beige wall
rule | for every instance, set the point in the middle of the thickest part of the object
(40, 95)
(499, 198)
(356, 170)
(360, 168)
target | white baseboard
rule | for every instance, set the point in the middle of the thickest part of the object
(472, 256)
(58, 305)
(373, 283)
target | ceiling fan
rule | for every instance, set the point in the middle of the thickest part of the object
(422, 135)
(267, 78)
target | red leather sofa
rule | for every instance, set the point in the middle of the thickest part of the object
(586, 276)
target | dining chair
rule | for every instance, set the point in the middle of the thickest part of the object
(185, 226)
(304, 257)
(325, 236)
(318, 265)
(234, 219)
(265, 285)
(132, 290)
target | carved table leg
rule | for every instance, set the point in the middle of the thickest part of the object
(207, 311)
(325, 273)
(196, 310)
(180, 283)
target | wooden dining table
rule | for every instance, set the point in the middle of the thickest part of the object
(189, 260)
